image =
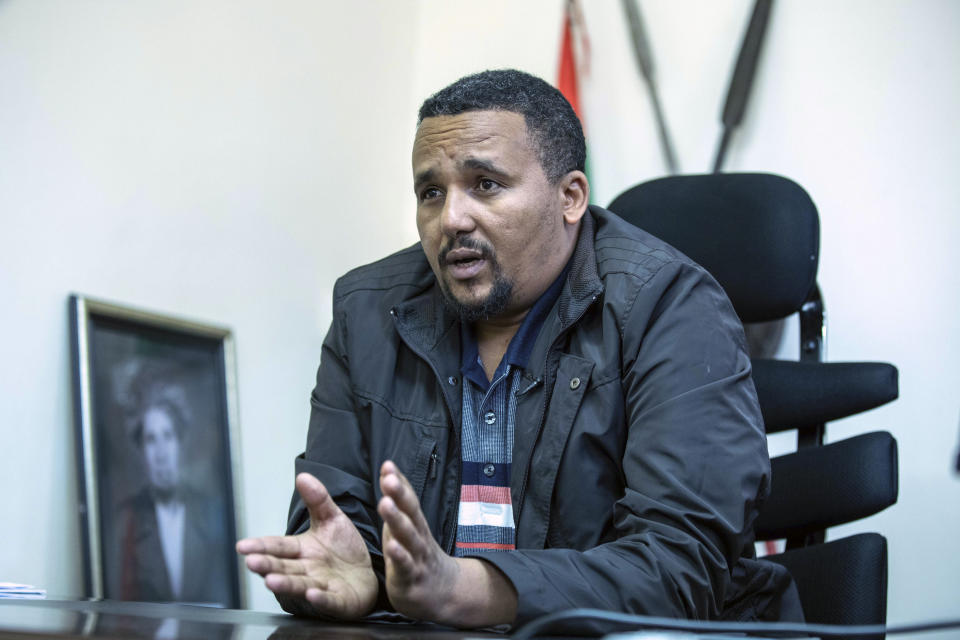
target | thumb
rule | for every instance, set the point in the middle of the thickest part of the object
(316, 498)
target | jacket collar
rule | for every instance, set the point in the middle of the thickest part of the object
(584, 284)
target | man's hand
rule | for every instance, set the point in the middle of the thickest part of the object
(425, 583)
(323, 571)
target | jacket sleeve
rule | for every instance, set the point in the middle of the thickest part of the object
(337, 452)
(694, 465)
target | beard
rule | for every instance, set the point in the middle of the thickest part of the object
(494, 303)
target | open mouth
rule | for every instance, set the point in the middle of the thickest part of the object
(464, 263)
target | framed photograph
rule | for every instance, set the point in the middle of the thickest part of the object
(156, 422)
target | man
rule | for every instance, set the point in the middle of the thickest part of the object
(538, 407)
(168, 534)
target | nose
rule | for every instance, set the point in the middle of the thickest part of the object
(456, 217)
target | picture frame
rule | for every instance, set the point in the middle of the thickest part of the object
(155, 404)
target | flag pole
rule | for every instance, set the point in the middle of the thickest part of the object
(743, 74)
(641, 50)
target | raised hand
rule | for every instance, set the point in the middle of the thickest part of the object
(417, 569)
(423, 582)
(323, 571)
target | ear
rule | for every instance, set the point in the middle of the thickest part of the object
(574, 196)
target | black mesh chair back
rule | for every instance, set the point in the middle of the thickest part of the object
(759, 236)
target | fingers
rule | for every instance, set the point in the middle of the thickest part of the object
(309, 603)
(265, 564)
(420, 576)
(320, 506)
(396, 486)
(407, 539)
(399, 529)
(280, 546)
(323, 600)
(328, 595)
(316, 498)
(291, 584)
(399, 556)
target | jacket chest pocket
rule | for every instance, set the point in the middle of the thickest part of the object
(402, 433)
(421, 458)
(546, 450)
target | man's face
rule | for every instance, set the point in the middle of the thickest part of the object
(488, 216)
(161, 449)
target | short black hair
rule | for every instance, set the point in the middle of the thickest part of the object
(552, 124)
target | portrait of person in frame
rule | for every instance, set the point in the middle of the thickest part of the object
(162, 476)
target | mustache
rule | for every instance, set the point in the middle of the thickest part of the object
(467, 242)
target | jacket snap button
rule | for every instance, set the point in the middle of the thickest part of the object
(574, 383)
(489, 469)
(490, 417)
(452, 381)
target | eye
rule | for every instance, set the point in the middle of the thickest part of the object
(487, 185)
(430, 193)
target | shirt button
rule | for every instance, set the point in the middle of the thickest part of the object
(489, 417)
(574, 383)
(489, 469)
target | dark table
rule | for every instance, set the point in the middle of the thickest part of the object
(23, 619)
(52, 618)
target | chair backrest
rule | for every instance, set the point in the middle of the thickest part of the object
(842, 581)
(758, 235)
(820, 487)
(800, 395)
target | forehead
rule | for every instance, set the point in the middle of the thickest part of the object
(155, 419)
(500, 135)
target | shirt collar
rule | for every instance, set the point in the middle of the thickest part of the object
(518, 351)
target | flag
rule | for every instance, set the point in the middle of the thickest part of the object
(574, 62)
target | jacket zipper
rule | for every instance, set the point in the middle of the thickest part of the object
(434, 457)
(432, 465)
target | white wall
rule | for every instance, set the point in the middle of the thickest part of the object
(226, 161)
(218, 160)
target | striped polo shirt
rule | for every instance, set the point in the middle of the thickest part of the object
(485, 520)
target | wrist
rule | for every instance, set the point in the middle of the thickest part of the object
(482, 596)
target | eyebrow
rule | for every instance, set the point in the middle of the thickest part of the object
(468, 164)
(423, 177)
(477, 164)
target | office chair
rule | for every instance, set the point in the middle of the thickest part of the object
(759, 236)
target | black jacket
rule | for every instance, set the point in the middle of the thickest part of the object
(137, 569)
(639, 456)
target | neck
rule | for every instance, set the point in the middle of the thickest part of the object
(493, 338)
(494, 334)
